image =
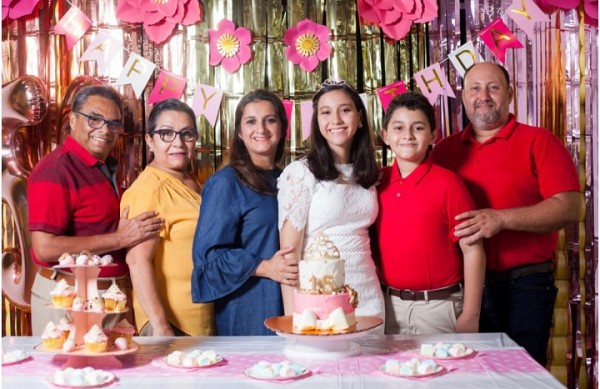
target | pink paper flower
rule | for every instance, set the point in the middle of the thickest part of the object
(229, 46)
(590, 8)
(14, 9)
(307, 44)
(395, 17)
(160, 17)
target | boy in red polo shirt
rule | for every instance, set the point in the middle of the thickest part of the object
(423, 266)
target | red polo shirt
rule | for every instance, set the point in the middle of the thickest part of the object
(417, 247)
(518, 167)
(69, 195)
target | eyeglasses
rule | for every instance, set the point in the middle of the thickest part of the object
(170, 135)
(96, 122)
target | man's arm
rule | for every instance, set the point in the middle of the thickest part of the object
(49, 247)
(548, 215)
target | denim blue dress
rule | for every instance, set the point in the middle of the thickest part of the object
(237, 229)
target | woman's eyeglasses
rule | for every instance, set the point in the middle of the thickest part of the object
(96, 122)
(170, 135)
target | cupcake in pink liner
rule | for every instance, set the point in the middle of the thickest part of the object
(53, 338)
(95, 340)
(62, 295)
(114, 299)
(122, 330)
(66, 259)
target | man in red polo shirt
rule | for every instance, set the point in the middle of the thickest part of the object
(432, 281)
(74, 202)
(526, 188)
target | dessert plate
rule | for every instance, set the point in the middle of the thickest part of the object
(218, 361)
(468, 352)
(303, 374)
(106, 379)
(23, 358)
(439, 370)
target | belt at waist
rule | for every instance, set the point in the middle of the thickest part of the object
(521, 271)
(422, 295)
(103, 282)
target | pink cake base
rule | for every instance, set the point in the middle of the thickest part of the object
(322, 304)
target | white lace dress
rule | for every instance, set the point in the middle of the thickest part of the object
(342, 210)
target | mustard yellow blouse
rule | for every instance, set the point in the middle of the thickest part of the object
(156, 190)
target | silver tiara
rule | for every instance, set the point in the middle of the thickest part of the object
(333, 82)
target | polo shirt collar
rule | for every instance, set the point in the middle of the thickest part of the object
(416, 176)
(74, 147)
(505, 132)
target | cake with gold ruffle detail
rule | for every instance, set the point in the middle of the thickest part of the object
(323, 302)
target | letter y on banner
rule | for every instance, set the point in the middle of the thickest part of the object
(525, 13)
(207, 102)
(137, 72)
(433, 83)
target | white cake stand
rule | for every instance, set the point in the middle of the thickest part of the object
(322, 346)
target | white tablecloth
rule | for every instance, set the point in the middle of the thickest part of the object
(498, 363)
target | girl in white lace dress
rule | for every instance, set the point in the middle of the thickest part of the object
(332, 190)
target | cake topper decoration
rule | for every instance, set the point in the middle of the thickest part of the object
(321, 248)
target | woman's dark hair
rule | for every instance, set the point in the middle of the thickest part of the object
(321, 160)
(105, 91)
(239, 157)
(169, 105)
(413, 101)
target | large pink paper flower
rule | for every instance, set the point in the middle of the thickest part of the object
(307, 43)
(590, 8)
(14, 9)
(160, 17)
(229, 46)
(395, 17)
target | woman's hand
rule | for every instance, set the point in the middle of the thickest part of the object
(281, 267)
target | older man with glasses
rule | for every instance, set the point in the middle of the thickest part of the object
(74, 202)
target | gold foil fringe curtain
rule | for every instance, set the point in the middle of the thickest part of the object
(554, 77)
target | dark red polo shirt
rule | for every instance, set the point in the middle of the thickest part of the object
(518, 167)
(69, 195)
(417, 247)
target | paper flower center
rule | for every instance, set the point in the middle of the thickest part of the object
(307, 45)
(160, 1)
(228, 45)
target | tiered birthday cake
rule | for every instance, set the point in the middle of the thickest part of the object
(323, 303)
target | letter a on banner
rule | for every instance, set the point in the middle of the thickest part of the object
(207, 102)
(433, 83)
(137, 72)
(498, 38)
(73, 25)
(525, 13)
(102, 50)
(167, 86)
(463, 58)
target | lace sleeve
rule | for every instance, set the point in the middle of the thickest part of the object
(295, 192)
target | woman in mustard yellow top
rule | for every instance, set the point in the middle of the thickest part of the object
(161, 268)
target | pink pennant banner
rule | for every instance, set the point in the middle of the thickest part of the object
(207, 102)
(463, 58)
(289, 106)
(498, 37)
(306, 111)
(73, 25)
(525, 13)
(137, 72)
(433, 83)
(102, 50)
(388, 92)
(167, 86)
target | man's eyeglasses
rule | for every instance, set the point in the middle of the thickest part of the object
(170, 135)
(96, 122)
